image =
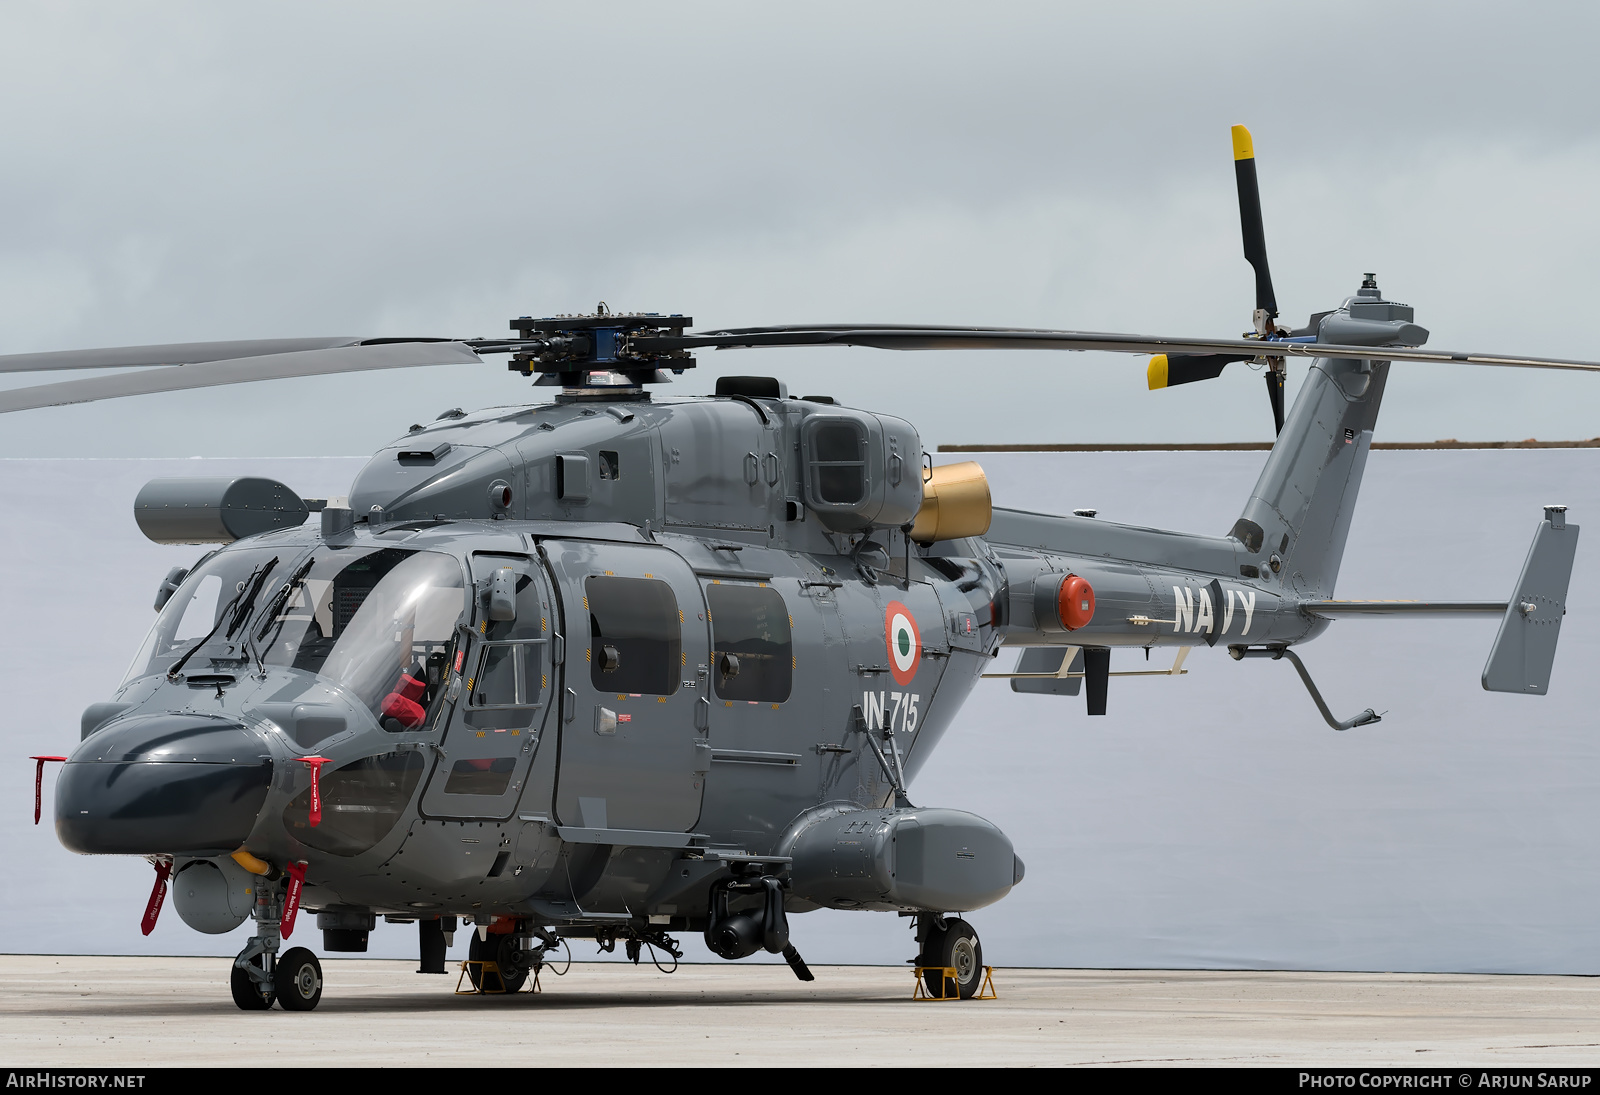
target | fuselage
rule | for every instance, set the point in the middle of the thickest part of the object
(568, 661)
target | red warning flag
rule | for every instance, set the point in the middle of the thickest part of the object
(158, 897)
(291, 901)
(315, 764)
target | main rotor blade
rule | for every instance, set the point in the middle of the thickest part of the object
(176, 353)
(887, 337)
(242, 370)
(1255, 236)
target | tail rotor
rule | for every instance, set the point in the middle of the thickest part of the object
(1167, 370)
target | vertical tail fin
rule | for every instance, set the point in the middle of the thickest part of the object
(1298, 516)
(1525, 648)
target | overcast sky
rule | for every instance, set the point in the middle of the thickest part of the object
(191, 171)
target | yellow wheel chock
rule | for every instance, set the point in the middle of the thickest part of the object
(482, 986)
(948, 978)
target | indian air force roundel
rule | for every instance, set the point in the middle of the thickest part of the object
(904, 642)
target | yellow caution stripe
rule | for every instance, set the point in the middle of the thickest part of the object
(1157, 373)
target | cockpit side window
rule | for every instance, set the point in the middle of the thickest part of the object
(508, 673)
(506, 688)
(635, 636)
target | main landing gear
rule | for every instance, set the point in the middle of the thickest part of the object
(507, 953)
(516, 954)
(949, 943)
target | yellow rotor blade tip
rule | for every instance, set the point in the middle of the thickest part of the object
(1243, 147)
(1157, 373)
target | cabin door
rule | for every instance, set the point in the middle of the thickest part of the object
(634, 708)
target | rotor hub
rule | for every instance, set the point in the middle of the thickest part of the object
(599, 357)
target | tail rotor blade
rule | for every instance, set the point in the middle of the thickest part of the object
(1275, 397)
(1170, 370)
(1255, 240)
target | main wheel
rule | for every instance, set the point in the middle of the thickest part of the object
(247, 991)
(502, 950)
(955, 946)
(298, 979)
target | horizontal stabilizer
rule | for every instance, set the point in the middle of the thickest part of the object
(1525, 648)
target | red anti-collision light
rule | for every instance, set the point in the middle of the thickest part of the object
(1075, 602)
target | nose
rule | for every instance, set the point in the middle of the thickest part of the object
(163, 783)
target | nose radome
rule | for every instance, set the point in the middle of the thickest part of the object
(163, 783)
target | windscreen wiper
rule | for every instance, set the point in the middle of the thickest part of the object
(274, 613)
(231, 613)
(242, 612)
(281, 599)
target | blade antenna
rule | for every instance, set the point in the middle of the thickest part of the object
(1255, 252)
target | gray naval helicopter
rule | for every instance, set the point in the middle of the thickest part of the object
(614, 666)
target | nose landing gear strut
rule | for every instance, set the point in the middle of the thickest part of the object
(259, 974)
(251, 980)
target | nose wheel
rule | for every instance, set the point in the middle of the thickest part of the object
(295, 982)
(298, 980)
(250, 990)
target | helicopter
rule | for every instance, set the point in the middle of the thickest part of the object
(615, 666)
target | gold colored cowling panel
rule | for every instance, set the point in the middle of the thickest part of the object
(955, 504)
